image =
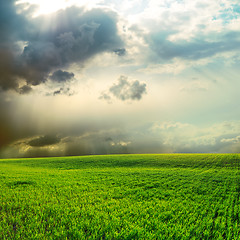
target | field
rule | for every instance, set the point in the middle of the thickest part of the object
(165, 196)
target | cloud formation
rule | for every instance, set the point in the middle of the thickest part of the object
(194, 49)
(61, 76)
(24, 89)
(120, 51)
(125, 90)
(43, 141)
(12, 29)
(63, 91)
(158, 137)
(75, 36)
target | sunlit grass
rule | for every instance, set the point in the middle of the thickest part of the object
(166, 196)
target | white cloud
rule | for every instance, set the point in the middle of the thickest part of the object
(121, 143)
(186, 136)
(231, 140)
(169, 126)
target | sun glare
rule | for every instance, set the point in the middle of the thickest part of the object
(47, 6)
(50, 6)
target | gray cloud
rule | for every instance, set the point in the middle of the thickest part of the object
(75, 35)
(15, 29)
(64, 91)
(8, 75)
(57, 92)
(43, 141)
(25, 89)
(12, 29)
(105, 96)
(12, 24)
(87, 142)
(67, 91)
(61, 76)
(108, 140)
(125, 90)
(218, 147)
(120, 51)
(197, 48)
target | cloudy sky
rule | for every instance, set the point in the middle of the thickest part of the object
(108, 76)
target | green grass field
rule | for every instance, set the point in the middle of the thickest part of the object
(165, 196)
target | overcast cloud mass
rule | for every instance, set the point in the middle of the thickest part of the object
(119, 77)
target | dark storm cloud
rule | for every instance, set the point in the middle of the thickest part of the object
(195, 49)
(61, 76)
(125, 90)
(12, 25)
(108, 139)
(98, 142)
(57, 92)
(63, 91)
(73, 36)
(120, 51)
(44, 141)
(12, 29)
(25, 89)
(51, 42)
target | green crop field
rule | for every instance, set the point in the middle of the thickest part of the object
(155, 196)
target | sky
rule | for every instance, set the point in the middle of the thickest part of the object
(107, 76)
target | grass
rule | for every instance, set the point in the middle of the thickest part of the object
(157, 196)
